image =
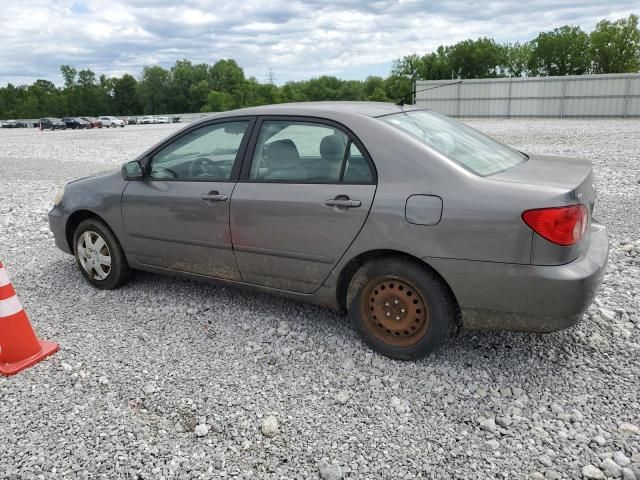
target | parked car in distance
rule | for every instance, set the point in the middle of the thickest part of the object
(175, 119)
(146, 120)
(109, 121)
(12, 124)
(93, 122)
(162, 120)
(76, 122)
(408, 220)
(51, 123)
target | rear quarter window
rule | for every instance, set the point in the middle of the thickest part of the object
(474, 150)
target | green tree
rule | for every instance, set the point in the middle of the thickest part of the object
(408, 66)
(183, 76)
(475, 58)
(227, 76)
(11, 100)
(351, 90)
(615, 46)
(396, 87)
(371, 84)
(516, 58)
(378, 95)
(293, 92)
(153, 90)
(256, 93)
(87, 97)
(198, 95)
(125, 96)
(218, 102)
(432, 66)
(563, 51)
(69, 75)
(86, 78)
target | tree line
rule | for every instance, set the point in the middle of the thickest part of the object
(185, 87)
(613, 47)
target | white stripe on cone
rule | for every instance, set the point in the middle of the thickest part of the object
(10, 306)
(4, 277)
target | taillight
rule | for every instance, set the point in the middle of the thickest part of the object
(560, 225)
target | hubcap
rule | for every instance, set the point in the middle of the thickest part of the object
(394, 311)
(94, 255)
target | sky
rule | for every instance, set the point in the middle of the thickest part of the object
(292, 39)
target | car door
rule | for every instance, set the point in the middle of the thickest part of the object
(177, 216)
(304, 194)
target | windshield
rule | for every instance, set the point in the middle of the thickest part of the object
(474, 150)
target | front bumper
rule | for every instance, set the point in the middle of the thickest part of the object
(499, 296)
(57, 225)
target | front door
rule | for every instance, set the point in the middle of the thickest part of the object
(177, 217)
(299, 204)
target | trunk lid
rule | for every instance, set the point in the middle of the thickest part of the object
(576, 175)
(573, 180)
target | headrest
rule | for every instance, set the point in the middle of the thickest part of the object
(332, 147)
(282, 152)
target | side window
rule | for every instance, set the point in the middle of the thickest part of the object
(205, 154)
(298, 152)
(357, 169)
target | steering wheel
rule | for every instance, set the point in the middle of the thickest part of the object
(205, 167)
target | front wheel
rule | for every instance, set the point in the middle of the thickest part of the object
(400, 308)
(99, 255)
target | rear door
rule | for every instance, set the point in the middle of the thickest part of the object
(177, 217)
(304, 194)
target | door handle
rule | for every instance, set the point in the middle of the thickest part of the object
(214, 196)
(343, 203)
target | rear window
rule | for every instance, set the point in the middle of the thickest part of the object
(474, 150)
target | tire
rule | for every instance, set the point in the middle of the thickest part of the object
(400, 308)
(86, 237)
(113, 125)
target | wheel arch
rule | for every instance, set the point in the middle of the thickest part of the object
(76, 218)
(350, 269)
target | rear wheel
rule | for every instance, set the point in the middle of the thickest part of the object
(400, 309)
(99, 255)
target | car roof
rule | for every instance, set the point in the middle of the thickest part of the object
(370, 109)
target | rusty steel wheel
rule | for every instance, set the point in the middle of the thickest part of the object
(394, 311)
(400, 307)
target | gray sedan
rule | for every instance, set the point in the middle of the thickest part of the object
(412, 222)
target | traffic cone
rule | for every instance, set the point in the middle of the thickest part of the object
(19, 346)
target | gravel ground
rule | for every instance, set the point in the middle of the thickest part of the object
(169, 378)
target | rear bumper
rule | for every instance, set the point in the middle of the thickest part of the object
(499, 296)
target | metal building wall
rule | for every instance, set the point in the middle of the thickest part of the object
(611, 95)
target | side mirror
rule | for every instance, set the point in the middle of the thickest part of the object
(133, 170)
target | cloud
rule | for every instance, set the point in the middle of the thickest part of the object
(295, 38)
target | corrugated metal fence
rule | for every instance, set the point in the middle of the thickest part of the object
(611, 95)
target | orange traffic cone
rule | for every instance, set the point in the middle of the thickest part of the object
(19, 346)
